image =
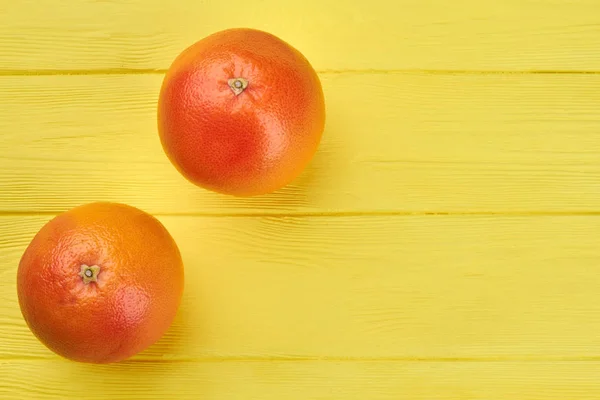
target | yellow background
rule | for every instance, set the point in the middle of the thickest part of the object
(443, 244)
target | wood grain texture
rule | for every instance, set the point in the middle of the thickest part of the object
(393, 143)
(422, 287)
(354, 34)
(53, 380)
(339, 286)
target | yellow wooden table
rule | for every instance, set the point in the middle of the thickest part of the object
(443, 244)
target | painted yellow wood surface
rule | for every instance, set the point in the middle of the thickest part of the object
(393, 143)
(276, 380)
(493, 35)
(400, 287)
(443, 244)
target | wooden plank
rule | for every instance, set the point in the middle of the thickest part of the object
(393, 143)
(427, 287)
(270, 380)
(49, 35)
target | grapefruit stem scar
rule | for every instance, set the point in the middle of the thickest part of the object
(89, 274)
(237, 85)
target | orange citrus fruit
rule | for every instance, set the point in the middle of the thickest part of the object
(100, 282)
(241, 112)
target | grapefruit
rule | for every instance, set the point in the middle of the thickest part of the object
(241, 112)
(100, 282)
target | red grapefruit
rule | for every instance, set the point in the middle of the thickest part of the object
(100, 282)
(241, 112)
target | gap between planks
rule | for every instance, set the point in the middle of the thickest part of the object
(117, 71)
(291, 359)
(346, 214)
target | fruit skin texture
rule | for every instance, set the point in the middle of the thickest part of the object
(132, 303)
(247, 144)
